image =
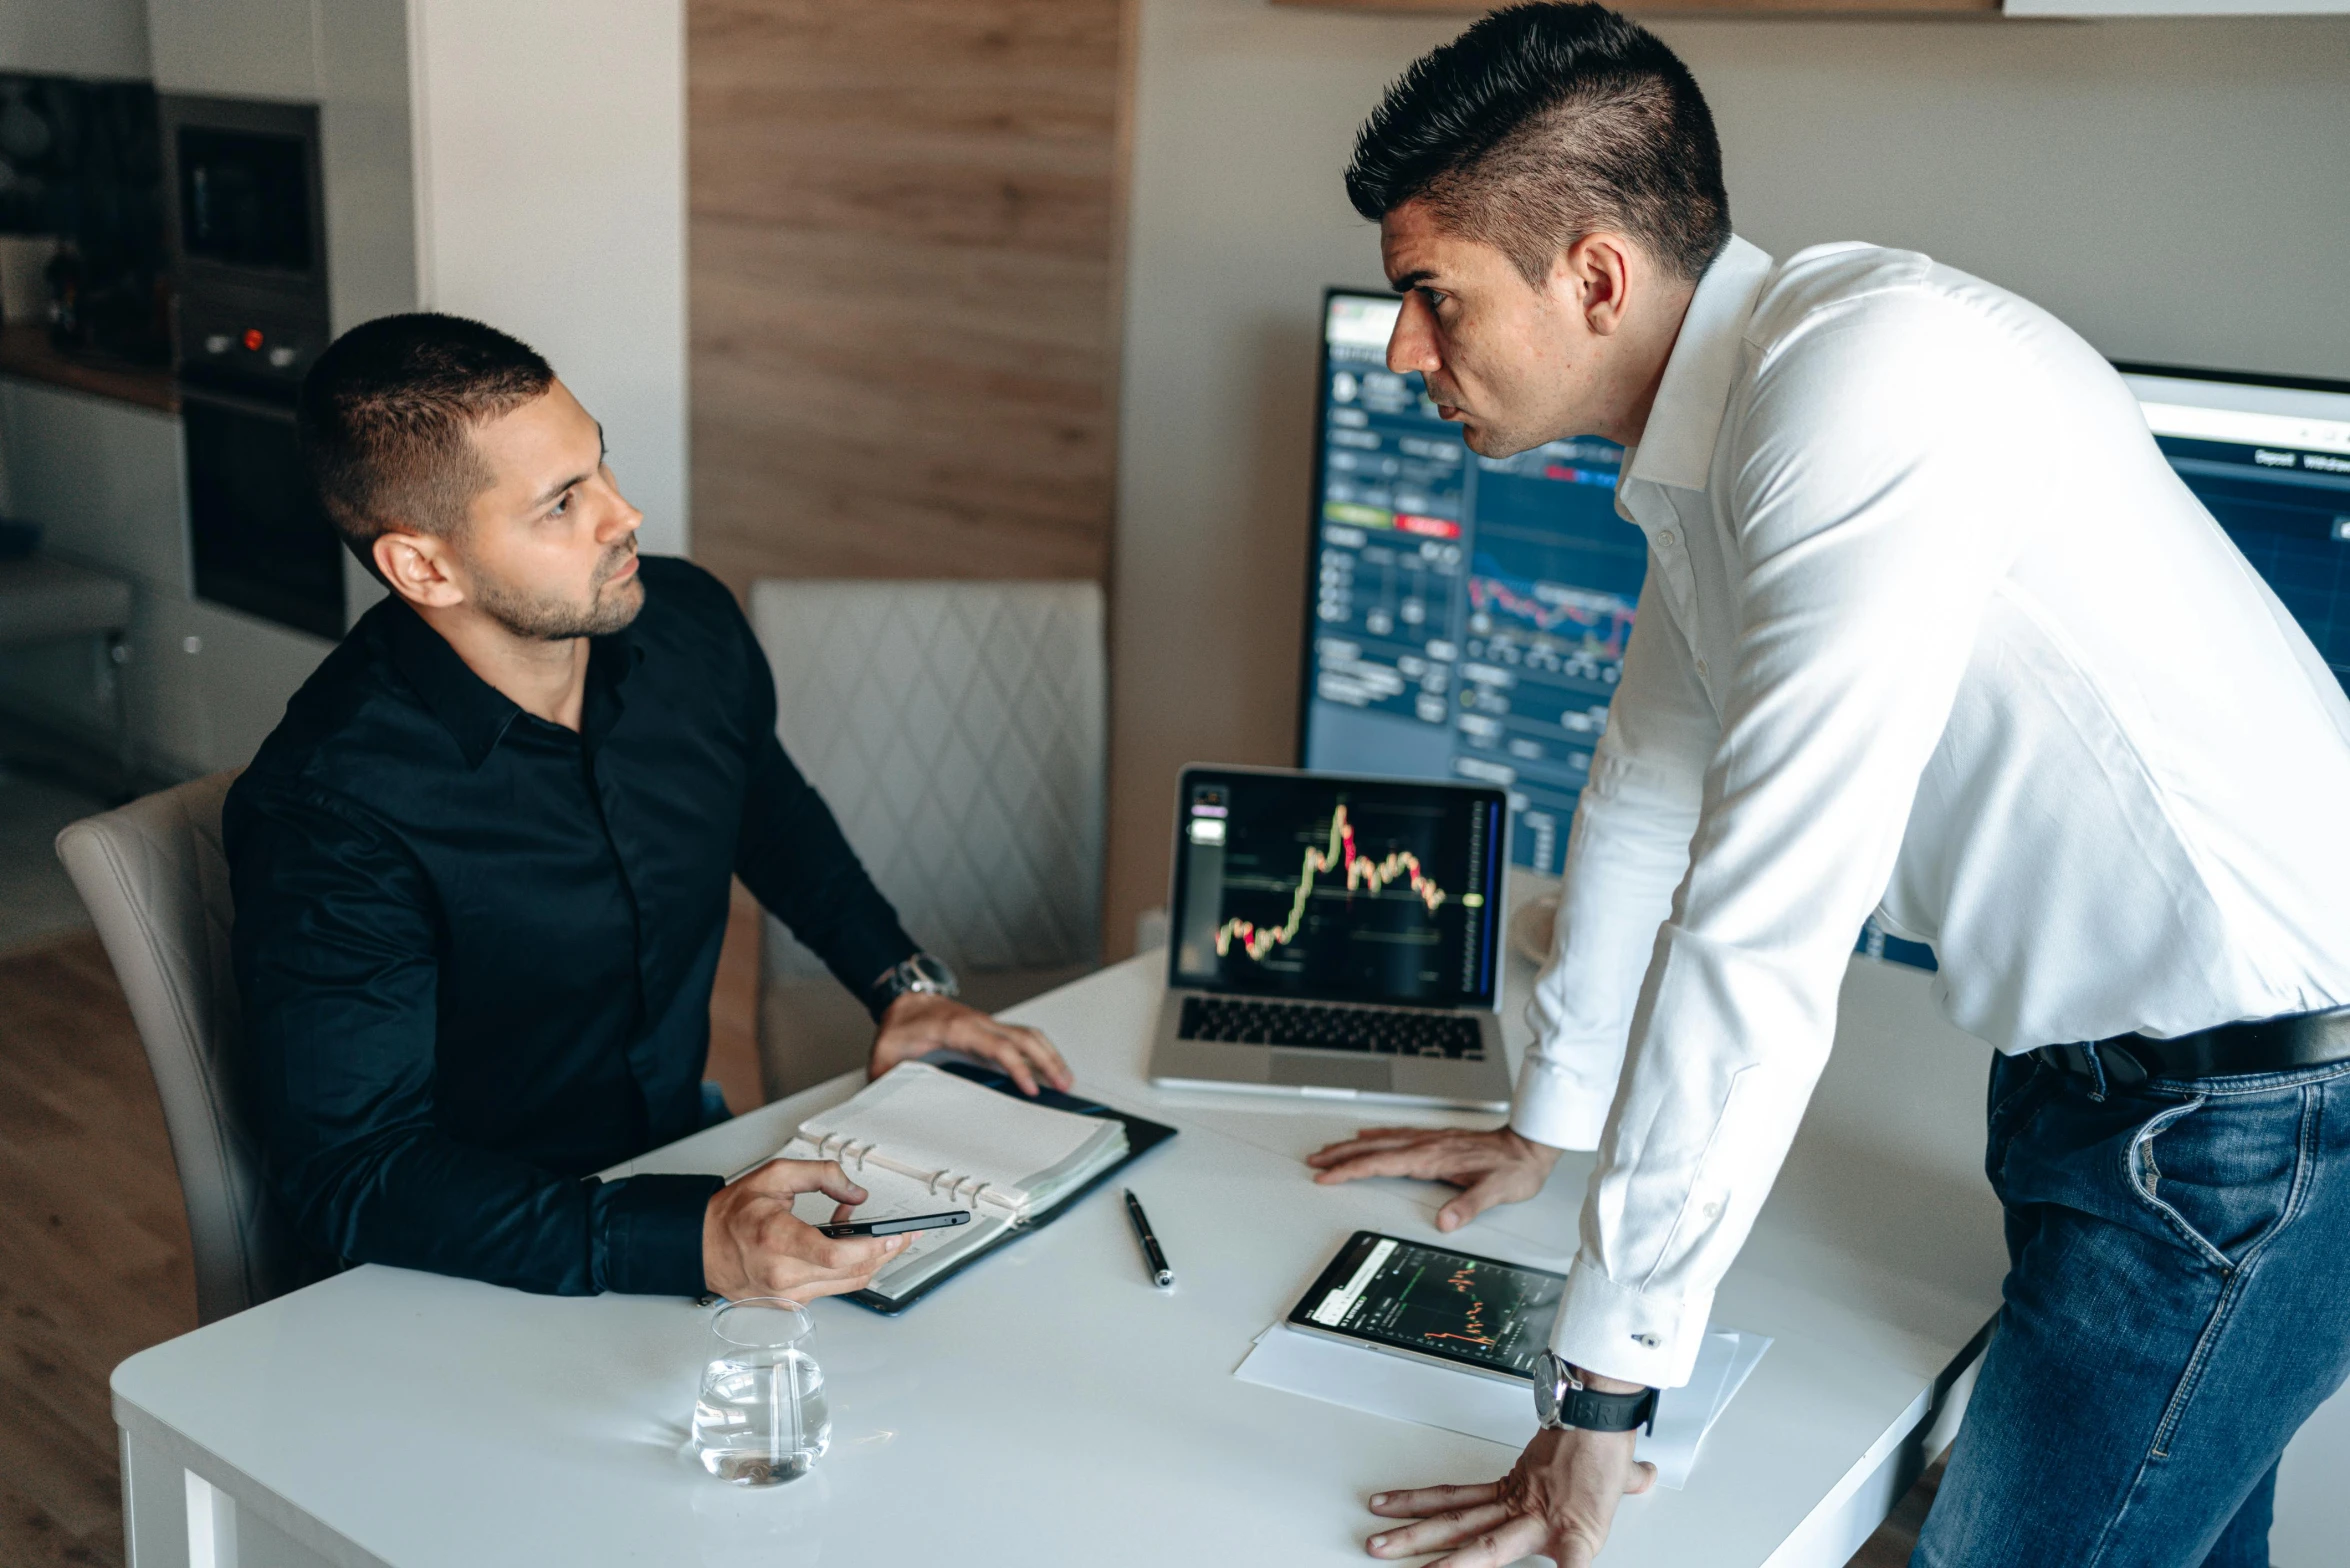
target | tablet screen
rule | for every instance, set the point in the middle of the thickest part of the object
(1480, 1312)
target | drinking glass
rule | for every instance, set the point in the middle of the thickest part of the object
(761, 1418)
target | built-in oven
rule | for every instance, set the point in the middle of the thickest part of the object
(248, 227)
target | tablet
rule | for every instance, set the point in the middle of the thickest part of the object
(1434, 1304)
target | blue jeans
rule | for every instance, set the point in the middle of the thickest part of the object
(2177, 1303)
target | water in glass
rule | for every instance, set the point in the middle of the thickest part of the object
(761, 1418)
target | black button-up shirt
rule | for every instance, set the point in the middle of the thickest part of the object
(476, 948)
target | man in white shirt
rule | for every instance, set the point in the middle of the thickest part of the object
(1930, 630)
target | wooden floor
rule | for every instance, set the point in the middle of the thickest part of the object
(94, 1248)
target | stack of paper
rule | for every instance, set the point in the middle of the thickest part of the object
(1422, 1392)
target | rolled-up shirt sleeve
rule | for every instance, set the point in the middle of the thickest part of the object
(1864, 495)
(335, 953)
(1626, 854)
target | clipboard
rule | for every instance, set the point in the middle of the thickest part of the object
(1142, 1136)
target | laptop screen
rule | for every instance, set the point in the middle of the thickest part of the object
(1337, 889)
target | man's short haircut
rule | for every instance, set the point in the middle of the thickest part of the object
(386, 420)
(1543, 124)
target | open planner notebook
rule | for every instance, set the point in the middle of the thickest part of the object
(922, 1139)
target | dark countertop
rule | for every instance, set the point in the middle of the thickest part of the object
(25, 350)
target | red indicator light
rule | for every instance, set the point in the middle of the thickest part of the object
(1427, 527)
(253, 340)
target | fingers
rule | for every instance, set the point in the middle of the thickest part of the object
(1487, 1537)
(1429, 1162)
(848, 1256)
(1419, 1502)
(1642, 1478)
(1023, 1052)
(1369, 1141)
(783, 1177)
(1522, 1536)
(998, 1047)
(1489, 1190)
(1439, 1532)
(932, 1023)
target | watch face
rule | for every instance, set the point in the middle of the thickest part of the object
(1550, 1375)
(932, 972)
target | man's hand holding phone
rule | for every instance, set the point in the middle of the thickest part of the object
(753, 1245)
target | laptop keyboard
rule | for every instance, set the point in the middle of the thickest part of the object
(1375, 1031)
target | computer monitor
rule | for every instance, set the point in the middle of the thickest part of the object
(1467, 615)
(2270, 457)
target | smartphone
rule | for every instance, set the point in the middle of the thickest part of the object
(898, 1226)
(1428, 1303)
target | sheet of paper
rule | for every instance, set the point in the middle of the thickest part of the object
(1361, 1378)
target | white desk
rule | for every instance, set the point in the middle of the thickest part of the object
(1049, 1406)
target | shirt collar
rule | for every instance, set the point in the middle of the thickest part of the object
(475, 713)
(1677, 448)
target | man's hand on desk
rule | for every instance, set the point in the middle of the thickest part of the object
(1500, 1166)
(752, 1245)
(921, 1022)
(1559, 1499)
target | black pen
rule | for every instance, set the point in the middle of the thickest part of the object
(1161, 1275)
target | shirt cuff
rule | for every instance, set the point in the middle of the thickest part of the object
(647, 1234)
(1616, 1331)
(1550, 1108)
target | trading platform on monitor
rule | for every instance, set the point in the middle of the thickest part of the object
(2271, 459)
(1469, 614)
(1307, 887)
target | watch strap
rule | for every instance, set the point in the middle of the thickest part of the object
(1594, 1411)
(1561, 1399)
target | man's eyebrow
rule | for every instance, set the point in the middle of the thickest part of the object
(1412, 280)
(576, 479)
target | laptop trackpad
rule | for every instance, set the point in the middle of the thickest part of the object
(1296, 1070)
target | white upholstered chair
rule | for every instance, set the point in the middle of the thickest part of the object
(958, 731)
(156, 883)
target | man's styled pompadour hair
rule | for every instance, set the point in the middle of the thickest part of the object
(386, 416)
(1545, 123)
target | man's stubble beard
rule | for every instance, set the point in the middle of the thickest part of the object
(549, 619)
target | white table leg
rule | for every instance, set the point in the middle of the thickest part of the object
(154, 1505)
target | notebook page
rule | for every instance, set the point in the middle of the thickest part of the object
(918, 1118)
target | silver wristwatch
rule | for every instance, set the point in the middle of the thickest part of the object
(1562, 1400)
(921, 974)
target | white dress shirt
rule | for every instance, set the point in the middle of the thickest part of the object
(1931, 630)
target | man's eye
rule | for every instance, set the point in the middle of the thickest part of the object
(562, 505)
(1434, 297)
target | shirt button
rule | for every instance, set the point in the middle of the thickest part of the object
(1665, 538)
(1645, 1341)
(1713, 1211)
(1701, 666)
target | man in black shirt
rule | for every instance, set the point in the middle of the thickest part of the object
(481, 868)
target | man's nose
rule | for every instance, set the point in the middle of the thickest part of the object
(1412, 345)
(625, 520)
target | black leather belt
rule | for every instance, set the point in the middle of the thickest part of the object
(2260, 1045)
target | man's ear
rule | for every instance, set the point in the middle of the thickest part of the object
(1596, 272)
(417, 567)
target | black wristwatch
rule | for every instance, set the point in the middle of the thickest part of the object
(1561, 1400)
(921, 973)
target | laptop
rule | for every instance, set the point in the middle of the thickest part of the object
(1335, 937)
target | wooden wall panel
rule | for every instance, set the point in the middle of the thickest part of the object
(902, 223)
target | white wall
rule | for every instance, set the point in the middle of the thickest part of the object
(2177, 190)
(551, 157)
(102, 38)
